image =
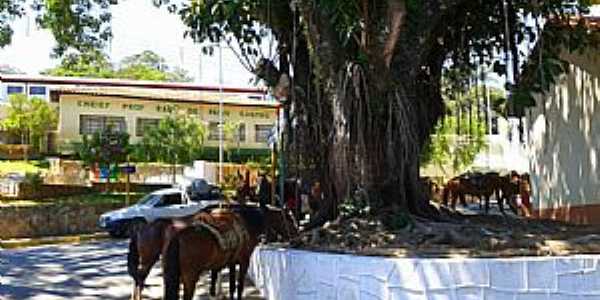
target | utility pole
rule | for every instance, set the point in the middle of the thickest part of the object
(220, 114)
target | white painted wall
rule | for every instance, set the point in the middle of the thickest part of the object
(564, 142)
(291, 274)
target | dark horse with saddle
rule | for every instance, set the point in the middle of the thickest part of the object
(206, 241)
(483, 186)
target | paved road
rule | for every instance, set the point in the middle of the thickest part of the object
(86, 271)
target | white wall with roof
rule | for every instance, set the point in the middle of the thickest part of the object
(565, 137)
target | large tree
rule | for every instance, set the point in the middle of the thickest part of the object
(365, 77)
(361, 78)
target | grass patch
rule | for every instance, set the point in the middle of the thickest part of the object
(94, 198)
(22, 167)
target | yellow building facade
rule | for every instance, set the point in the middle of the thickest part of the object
(83, 111)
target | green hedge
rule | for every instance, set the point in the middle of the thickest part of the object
(242, 155)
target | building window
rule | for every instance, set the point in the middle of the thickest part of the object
(39, 91)
(14, 89)
(143, 124)
(88, 124)
(239, 135)
(213, 131)
(262, 133)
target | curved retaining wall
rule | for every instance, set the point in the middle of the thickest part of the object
(292, 274)
(51, 219)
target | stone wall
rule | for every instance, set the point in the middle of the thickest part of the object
(49, 191)
(120, 187)
(50, 220)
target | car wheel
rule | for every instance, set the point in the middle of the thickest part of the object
(117, 233)
(135, 225)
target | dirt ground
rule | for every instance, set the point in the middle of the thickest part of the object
(464, 236)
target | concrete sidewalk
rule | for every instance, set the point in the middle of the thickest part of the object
(52, 240)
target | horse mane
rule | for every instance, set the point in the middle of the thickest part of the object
(253, 217)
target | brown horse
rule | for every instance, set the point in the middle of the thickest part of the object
(482, 186)
(507, 187)
(147, 244)
(475, 184)
(226, 240)
(280, 226)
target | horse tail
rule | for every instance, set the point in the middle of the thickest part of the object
(172, 271)
(133, 258)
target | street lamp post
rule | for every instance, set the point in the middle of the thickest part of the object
(220, 114)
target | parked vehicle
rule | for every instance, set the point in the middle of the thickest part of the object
(165, 203)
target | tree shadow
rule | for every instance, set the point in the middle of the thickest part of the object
(96, 270)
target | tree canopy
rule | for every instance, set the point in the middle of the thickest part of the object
(8, 69)
(30, 119)
(105, 149)
(174, 140)
(143, 66)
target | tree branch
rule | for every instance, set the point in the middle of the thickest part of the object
(397, 14)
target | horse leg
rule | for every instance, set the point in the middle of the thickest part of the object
(213, 282)
(445, 195)
(138, 285)
(232, 274)
(487, 203)
(501, 206)
(242, 277)
(135, 294)
(189, 280)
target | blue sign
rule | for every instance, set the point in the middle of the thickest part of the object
(104, 172)
(128, 169)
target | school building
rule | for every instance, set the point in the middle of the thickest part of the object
(87, 105)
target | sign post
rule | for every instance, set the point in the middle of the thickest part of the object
(128, 169)
(127, 197)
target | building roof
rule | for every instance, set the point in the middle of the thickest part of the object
(110, 82)
(150, 94)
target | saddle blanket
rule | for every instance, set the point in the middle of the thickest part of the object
(227, 228)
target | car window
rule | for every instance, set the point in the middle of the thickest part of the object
(170, 199)
(148, 199)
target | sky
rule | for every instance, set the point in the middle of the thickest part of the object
(137, 26)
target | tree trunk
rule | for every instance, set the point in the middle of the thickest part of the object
(376, 144)
(383, 107)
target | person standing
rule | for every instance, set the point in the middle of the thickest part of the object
(525, 192)
(264, 191)
(315, 198)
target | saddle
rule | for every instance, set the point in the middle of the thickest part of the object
(227, 228)
(473, 178)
